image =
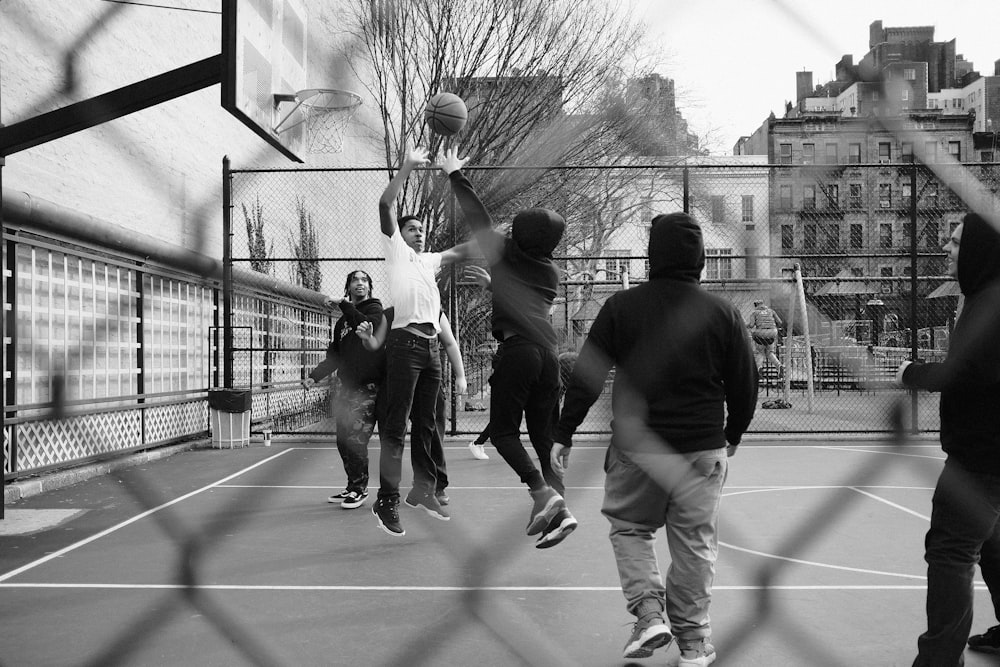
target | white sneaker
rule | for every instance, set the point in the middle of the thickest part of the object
(696, 653)
(478, 451)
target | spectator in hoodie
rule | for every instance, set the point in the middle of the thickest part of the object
(965, 514)
(360, 373)
(525, 381)
(683, 360)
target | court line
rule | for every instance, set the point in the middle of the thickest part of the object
(868, 451)
(457, 589)
(891, 504)
(127, 522)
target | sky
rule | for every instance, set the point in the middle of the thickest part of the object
(734, 61)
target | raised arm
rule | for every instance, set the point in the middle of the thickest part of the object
(387, 202)
(447, 337)
(460, 253)
(476, 215)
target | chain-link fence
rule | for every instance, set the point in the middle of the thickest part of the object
(866, 238)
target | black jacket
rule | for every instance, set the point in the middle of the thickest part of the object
(682, 356)
(969, 377)
(525, 280)
(346, 354)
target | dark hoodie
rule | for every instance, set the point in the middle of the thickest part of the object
(346, 354)
(969, 377)
(524, 278)
(682, 355)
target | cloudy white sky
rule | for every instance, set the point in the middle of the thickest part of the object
(734, 61)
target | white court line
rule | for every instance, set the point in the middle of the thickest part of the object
(868, 451)
(823, 565)
(143, 515)
(891, 504)
(457, 589)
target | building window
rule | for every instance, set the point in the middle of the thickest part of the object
(854, 195)
(930, 193)
(616, 266)
(833, 196)
(787, 237)
(906, 94)
(809, 237)
(906, 194)
(930, 151)
(884, 152)
(885, 195)
(854, 153)
(785, 198)
(986, 156)
(751, 264)
(747, 208)
(906, 151)
(885, 235)
(932, 233)
(831, 238)
(808, 196)
(886, 285)
(857, 236)
(718, 263)
(831, 154)
(784, 154)
(808, 153)
(955, 149)
(718, 210)
(909, 73)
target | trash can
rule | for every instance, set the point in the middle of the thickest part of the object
(229, 417)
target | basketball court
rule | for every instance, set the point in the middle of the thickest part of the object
(221, 557)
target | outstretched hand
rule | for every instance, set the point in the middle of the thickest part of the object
(478, 275)
(451, 162)
(364, 330)
(415, 157)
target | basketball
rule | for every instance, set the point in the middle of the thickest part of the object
(445, 114)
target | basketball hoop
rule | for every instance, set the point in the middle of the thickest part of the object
(325, 112)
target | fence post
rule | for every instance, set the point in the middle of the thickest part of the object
(914, 322)
(227, 275)
(687, 190)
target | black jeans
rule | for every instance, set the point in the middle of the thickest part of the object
(965, 529)
(525, 384)
(413, 378)
(432, 458)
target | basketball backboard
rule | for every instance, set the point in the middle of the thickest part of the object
(264, 65)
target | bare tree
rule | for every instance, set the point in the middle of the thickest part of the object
(305, 249)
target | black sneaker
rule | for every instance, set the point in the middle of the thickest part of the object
(547, 504)
(337, 497)
(988, 642)
(442, 497)
(354, 499)
(387, 515)
(557, 530)
(428, 503)
(648, 634)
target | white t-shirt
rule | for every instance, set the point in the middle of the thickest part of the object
(412, 288)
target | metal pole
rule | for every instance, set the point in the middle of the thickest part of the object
(227, 275)
(914, 417)
(687, 191)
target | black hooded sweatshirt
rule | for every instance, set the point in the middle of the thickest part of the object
(346, 354)
(524, 278)
(682, 355)
(969, 377)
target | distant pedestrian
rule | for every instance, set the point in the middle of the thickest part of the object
(763, 325)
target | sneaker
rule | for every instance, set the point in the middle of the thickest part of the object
(561, 525)
(442, 497)
(354, 499)
(648, 634)
(695, 653)
(337, 497)
(387, 516)
(547, 504)
(988, 642)
(427, 502)
(478, 451)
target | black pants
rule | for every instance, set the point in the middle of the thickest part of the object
(525, 384)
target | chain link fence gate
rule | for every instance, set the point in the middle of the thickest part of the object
(870, 259)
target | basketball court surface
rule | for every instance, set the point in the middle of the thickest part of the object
(225, 557)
